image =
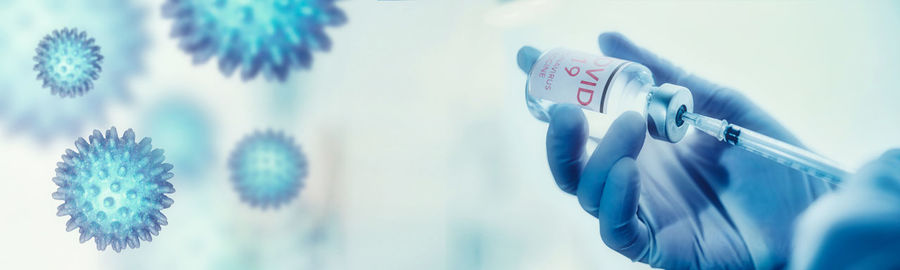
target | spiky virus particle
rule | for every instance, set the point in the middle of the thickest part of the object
(267, 169)
(68, 62)
(30, 111)
(272, 36)
(113, 189)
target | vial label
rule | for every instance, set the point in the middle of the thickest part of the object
(574, 77)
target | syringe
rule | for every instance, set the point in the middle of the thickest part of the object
(612, 86)
(775, 150)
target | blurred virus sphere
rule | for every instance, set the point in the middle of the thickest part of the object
(25, 108)
(185, 130)
(114, 189)
(272, 36)
(68, 62)
(267, 169)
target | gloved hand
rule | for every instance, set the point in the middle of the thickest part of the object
(698, 203)
(857, 227)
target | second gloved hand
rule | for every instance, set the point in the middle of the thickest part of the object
(857, 227)
(695, 204)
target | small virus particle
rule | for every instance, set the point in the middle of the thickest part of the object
(272, 36)
(30, 112)
(267, 169)
(114, 189)
(68, 62)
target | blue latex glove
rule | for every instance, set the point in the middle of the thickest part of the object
(696, 204)
(857, 227)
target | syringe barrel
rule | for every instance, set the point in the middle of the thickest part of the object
(785, 154)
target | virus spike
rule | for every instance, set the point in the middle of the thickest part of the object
(101, 241)
(85, 236)
(143, 234)
(120, 195)
(143, 147)
(113, 137)
(82, 146)
(116, 245)
(128, 137)
(59, 195)
(153, 227)
(132, 242)
(62, 211)
(72, 223)
(160, 218)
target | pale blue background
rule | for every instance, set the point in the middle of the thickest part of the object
(422, 153)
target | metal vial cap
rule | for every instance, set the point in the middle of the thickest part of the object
(663, 117)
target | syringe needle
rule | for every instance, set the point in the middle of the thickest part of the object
(778, 151)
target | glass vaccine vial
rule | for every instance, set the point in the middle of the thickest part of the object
(603, 85)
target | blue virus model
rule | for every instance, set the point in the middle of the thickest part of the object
(272, 36)
(30, 111)
(68, 62)
(267, 169)
(114, 189)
